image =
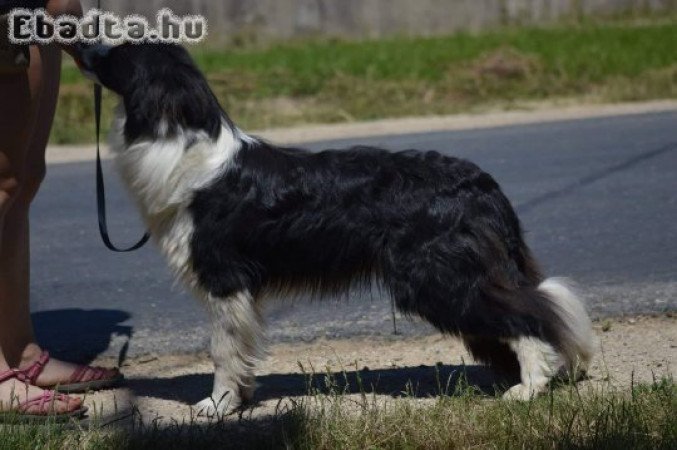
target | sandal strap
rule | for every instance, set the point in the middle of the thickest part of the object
(47, 398)
(12, 374)
(89, 373)
(33, 371)
(81, 374)
(39, 400)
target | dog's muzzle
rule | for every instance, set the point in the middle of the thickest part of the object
(86, 57)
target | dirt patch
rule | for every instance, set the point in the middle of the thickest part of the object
(505, 63)
(636, 349)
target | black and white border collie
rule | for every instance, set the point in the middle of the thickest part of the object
(240, 219)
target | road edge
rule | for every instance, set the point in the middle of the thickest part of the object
(62, 154)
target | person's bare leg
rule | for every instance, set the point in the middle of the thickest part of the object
(30, 96)
(17, 339)
(16, 249)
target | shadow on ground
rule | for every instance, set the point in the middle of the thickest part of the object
(80, 335)
(419, 382)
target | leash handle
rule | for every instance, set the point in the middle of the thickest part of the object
(100, 188)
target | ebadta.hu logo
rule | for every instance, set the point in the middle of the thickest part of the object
(38, 27)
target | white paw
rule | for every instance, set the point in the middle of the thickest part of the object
(216, 408)
(520, 392)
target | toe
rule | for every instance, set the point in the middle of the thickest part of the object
(67, 404)
(519, 392)
(206, 407)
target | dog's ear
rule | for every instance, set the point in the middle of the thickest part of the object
(110, 66)
(176, 97)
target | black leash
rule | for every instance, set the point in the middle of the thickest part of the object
(100, 188)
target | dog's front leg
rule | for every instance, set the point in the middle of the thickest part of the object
(236, 346)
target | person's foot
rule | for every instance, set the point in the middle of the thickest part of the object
(51, 372)
(14, 393)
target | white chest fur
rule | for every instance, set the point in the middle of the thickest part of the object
(163, 175)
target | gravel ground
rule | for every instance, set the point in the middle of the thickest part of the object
(631, 348)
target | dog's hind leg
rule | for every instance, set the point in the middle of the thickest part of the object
(236, 347)
(544, 328)
(493, 352)
(538, 362)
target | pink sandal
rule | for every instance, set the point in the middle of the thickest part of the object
(45, 403)
(83, 379)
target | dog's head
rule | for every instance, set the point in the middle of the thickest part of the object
(162, 89)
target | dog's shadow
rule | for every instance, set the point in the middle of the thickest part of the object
(418, 382)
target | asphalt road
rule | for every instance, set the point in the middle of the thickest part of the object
(598, 200)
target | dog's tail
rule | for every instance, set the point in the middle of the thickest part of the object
(551, 307)
(573, 334)
(553, 313)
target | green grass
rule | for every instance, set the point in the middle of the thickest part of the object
(644, 417)
(334, 81)
(641, 417)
